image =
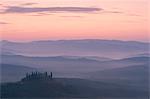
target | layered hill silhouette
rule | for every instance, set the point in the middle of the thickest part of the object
(67, 87)
(82, 69)
(137, 75)
(12, 73)
(63, 66)
(91, 47)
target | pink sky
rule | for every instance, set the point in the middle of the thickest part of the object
(115, 19)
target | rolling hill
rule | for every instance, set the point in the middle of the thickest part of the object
(68, 66)
(12, 73)
(90, 47)
(137, 75)
(69, 88)
(60, 63)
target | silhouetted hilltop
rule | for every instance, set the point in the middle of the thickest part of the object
(37, 76)
(66, 87)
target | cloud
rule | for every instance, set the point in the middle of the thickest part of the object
(117, 12)
(4, 23)
(41, 14)
(18, 9)
(27, 4)
(134, 14)
(72, 16)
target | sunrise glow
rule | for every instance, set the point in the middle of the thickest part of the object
(23, 20)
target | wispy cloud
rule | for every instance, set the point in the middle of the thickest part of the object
(41, 14)
(4, 23)
(18, 9)
(117, 12)
(29, 3)
(72, 16)
(133, 14)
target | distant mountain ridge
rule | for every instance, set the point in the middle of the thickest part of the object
(101, 48)
(105, 40)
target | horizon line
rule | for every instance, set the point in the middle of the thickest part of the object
(54, 40)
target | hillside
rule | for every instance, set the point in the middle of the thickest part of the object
(68, 87)
(61, 62)
(11, 73)
(65, 66)
(132, 75)
(91, 47)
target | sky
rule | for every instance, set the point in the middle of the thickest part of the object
(29, 20)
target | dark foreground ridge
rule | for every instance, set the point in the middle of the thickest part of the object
(42, 85)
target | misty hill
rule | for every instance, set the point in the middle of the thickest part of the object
(96, 58)
(102, 48)
(11, 73)
(68, 87)
(137, 75)
(142, 55)
(64, 64)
